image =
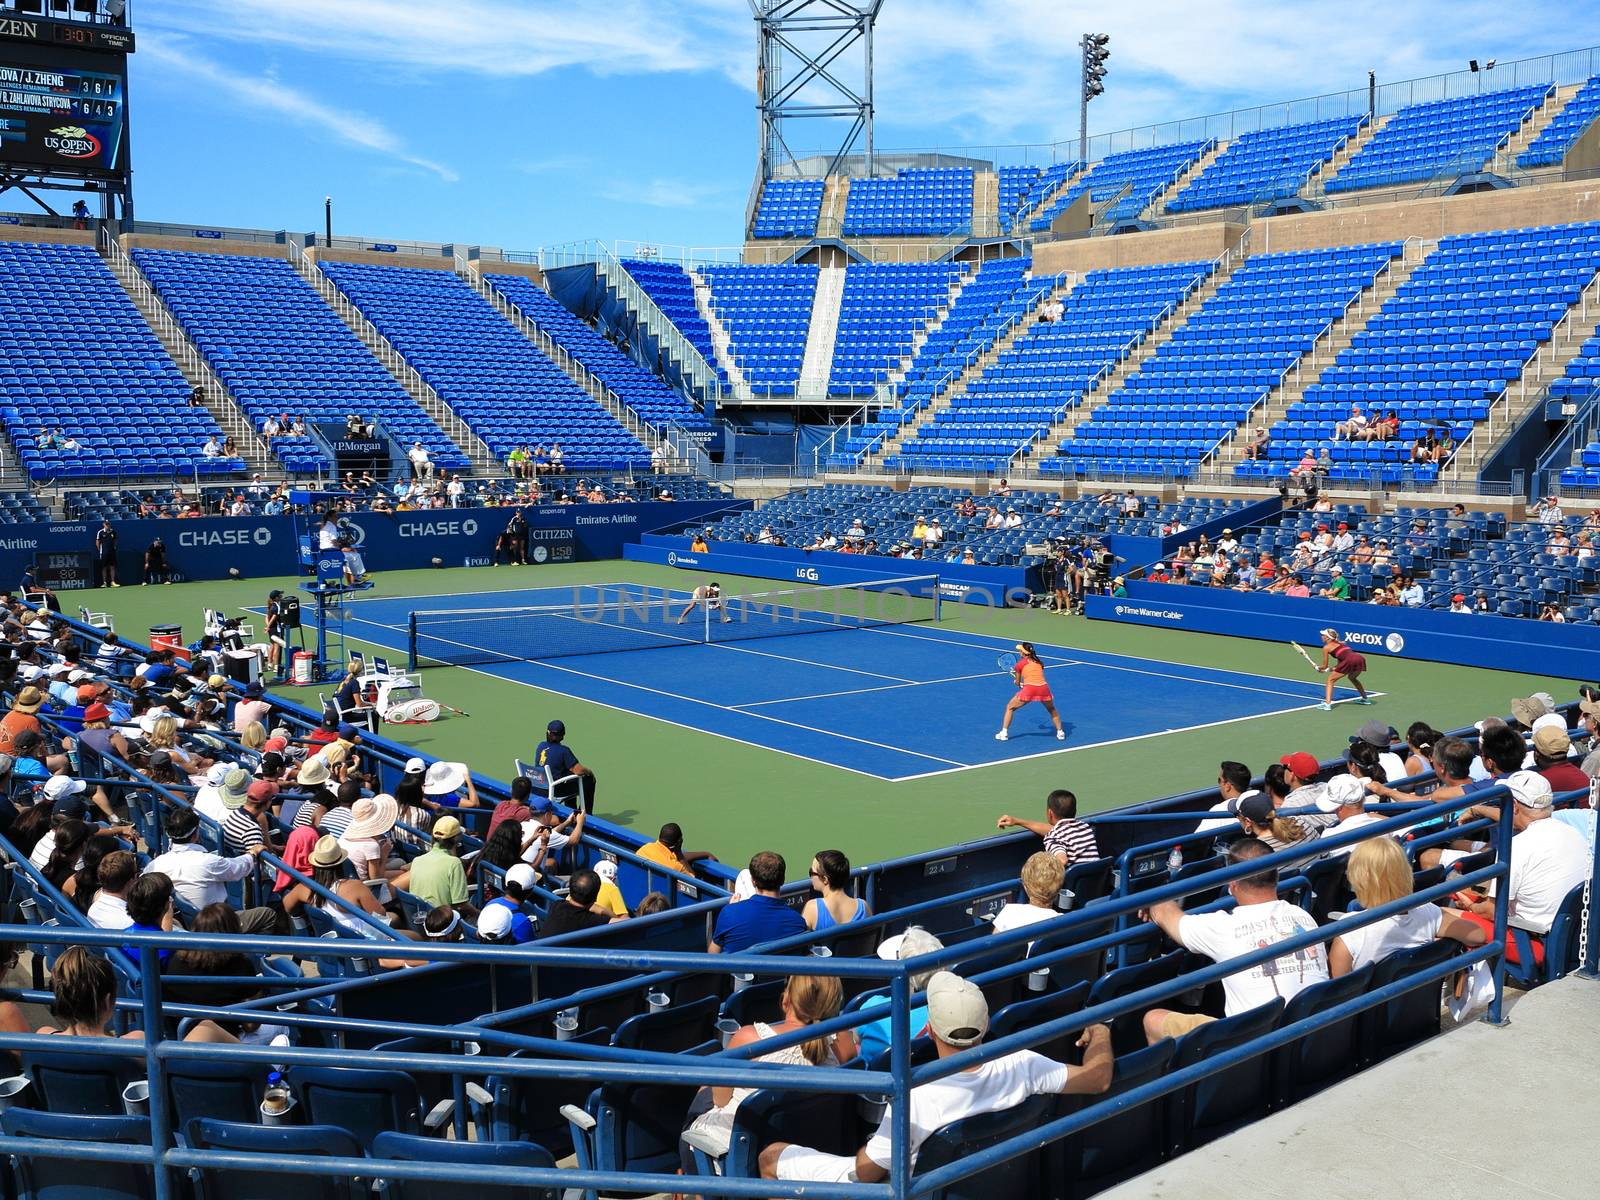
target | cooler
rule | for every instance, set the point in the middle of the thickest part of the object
(241, 666)
(302, 668)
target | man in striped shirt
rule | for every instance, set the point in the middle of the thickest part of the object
(1066, 837)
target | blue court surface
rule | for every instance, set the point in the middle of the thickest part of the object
(897, 702)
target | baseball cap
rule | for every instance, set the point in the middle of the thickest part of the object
(58, 787)
(1589, 708)
(445, 828)
(1302, 764)
(1530, 789)
(1343, 790)
(263, 789)
(1257, 808)
(78, 675)
(1550, 720)
(1458, 598)
(415, 766)
(494, 921)
(97, 712)
(556, 727)
(957, 1012)
(913, 943)
(217, 773)
(606, 869)
(522, 875)
(217, 681)
(1552, 741)
(348, 732)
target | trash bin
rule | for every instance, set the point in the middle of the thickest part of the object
(303, 668)
(169, 637)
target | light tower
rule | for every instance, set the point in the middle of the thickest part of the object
(815, 64)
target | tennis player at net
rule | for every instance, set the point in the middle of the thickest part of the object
(1028, 672)
(709, 595)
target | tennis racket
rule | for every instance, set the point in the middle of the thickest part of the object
(1009, 662)
(1309, 660)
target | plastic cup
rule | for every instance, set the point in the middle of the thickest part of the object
(566, 1024)
(136, 1098)
(726, 1028)
(1065, 899)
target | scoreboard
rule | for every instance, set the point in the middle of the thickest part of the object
(63, 105)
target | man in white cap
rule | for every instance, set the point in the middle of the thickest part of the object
(1348, 795)
(916, 941)
(958, 1017)
(1548, 859)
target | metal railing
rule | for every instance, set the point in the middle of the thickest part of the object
(1580, 428)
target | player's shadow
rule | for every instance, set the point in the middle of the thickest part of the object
(1043, 731)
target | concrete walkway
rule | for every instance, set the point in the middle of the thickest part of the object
(1492, 1114)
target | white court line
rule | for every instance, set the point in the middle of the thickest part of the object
(1138, 737)
(861, 691)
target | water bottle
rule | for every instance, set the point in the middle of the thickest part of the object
(1175, 860)
(275, 1100)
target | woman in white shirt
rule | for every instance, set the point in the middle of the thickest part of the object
(1041, 881)
(1379, 874)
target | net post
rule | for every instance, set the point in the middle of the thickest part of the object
(705, 629)
(938, 600)
(411, 641)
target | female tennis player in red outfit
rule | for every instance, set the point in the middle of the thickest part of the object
(1028, 671)
(1342, 665)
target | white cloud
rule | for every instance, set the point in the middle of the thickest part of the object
(664, 193)
(266, 94)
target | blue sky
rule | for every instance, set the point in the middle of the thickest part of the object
(521, 123)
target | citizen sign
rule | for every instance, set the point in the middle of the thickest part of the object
(407, 529)
(200, 538)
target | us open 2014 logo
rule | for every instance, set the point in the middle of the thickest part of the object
(72, 141)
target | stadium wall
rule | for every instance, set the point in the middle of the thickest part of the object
(1431, 635)
(1187, 243)
(55, 237)
(200, 245)
(966, 585)
(208, 547)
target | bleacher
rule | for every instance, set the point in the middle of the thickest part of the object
(916, 202)
(670, 287)
(641, 390)
(1441, 349)
(18, 507)
(766, 311)
(1135, 178)
(883, 307)
(78, 362)
(506, 390)
(1441, 138)
(1197, 388)
(1047, 370)
(1266, 165)
(280, 350)
(1550, 148)
(788, 208)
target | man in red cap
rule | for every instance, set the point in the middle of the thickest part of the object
(1343, 540)
(1458, 603)
(1300, 771)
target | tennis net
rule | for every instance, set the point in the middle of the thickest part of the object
(605, 619)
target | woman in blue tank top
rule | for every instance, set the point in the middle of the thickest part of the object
(830, 876)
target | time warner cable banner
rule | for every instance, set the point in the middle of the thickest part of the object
(62, 552)
(1466, 639)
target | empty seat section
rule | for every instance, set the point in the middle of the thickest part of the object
(1047, 370)
(918, 202)
(670, 287)
(1204, 380)
(1266, 165)
(789, 208)
(279, 349)
(883, 308)
(1556, 138)
(78, 363)
(1131, 179)
(641, 390)
(491, 376)
(1438, 139)
(766, 311)
(1441, 350)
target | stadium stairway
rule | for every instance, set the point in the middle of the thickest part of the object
(721, 343)
(1547, 365)
(1505, 159)
(835, 199)
(1129, 366)
(1319, 182)
(1328, 347)
(220, 402)
(617, 279)
(602, 395)
(816, 368)
(1158, 206)
(891, 445)
(986, 204)
(482, 458)
(1025, 217)
(919, 339)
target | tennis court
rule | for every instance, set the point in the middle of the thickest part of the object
(895, 695)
